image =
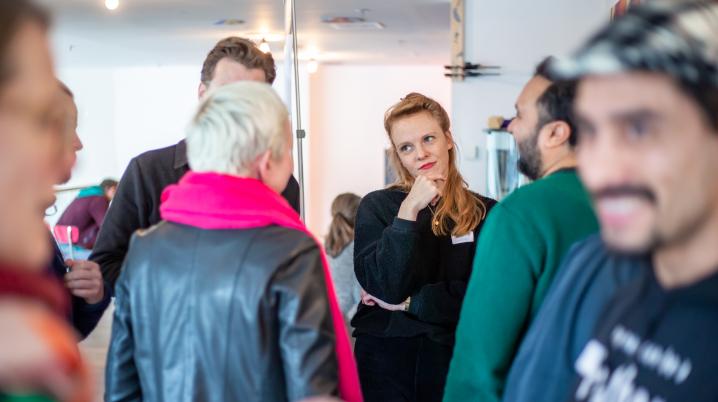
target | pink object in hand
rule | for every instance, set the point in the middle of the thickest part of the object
(66, 234)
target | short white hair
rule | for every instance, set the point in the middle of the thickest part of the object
(233, 125)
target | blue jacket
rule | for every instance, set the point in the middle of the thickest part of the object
(83, 317)
(587, 280)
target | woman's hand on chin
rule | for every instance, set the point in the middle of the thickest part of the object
(426, 190)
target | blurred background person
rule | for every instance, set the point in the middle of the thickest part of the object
(340, 251)
(38, 355)
(87, 211)
(89, 294)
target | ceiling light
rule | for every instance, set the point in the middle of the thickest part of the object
(312, 66)
(112, 4)
(264, 46)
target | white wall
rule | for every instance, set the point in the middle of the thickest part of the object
(346, 137)
(516, 35)
(125, 111)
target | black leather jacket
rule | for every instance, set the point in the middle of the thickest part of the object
(221, 315)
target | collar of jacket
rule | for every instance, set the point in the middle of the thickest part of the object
(181, 155)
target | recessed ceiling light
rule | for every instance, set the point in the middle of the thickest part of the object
(112, 4)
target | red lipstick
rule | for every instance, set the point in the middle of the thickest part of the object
(427, 166)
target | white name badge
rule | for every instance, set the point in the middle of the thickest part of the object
(467, 238)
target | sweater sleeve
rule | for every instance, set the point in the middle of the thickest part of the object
(496, 307)
(86, 316)
(383, 249)
(438, 303)
(121, 221)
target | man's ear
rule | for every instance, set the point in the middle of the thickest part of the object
(201, 90)
(558, 134)
(264, 163)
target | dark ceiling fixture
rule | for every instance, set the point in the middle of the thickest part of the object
(471, 70)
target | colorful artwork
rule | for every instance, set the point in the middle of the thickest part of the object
(622, 6)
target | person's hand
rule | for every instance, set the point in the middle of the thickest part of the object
(370, 300)
(85, 281)
(426, 190)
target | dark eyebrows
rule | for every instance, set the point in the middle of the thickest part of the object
(635, 115)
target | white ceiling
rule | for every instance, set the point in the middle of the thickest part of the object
(158, 32)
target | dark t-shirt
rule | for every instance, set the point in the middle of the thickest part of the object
(653, 345)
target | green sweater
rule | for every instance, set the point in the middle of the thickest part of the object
(521, 247)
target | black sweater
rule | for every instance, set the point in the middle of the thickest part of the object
(396, 258)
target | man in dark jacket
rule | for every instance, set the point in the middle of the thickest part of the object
(136, 204)
(87, 211)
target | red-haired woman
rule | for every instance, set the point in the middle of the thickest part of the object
(414, 249)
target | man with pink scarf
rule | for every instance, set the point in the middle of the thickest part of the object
(229, 297)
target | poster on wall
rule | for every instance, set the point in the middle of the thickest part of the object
(622, 6)
(390, 175)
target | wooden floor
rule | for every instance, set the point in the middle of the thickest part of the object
(94, 348)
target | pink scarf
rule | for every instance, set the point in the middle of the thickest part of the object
(217, 201)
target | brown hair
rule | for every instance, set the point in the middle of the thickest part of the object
(458, 205)
(108, 184)
(242, 51)
(12, 15)
(341, 230)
